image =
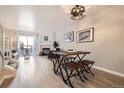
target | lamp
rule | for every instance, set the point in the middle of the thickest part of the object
(77, 12)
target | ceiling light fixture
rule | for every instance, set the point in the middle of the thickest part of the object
(77, 12)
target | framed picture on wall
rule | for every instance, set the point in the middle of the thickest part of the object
(69, 37)
(86, 35)
(45, 38)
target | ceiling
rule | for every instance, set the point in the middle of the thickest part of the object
(36, 18)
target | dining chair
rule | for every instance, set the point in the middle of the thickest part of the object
(87, 64)
(72, 70)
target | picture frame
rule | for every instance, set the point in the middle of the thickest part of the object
(69, 36)
(45, 38)
(86, 35)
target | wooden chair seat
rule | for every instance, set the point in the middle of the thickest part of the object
(73, 66)
(87, 62)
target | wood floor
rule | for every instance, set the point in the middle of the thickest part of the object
(37, 73)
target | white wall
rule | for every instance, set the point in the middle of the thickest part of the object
(107, 50)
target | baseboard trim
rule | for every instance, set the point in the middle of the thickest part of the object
(109, 71)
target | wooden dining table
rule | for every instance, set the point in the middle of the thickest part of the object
(64, 56)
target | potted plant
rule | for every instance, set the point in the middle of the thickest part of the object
(55, 45)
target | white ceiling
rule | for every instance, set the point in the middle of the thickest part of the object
(35, 18)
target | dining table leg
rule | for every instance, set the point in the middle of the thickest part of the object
(68, 77)
(60, 64)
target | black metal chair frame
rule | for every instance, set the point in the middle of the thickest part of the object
(88, 67)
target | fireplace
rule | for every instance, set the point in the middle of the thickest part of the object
(45, 51)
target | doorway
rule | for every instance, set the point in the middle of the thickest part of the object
(26, 45)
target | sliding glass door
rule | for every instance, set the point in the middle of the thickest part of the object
(26, 45)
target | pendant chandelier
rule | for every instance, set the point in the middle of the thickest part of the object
(77, 12)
